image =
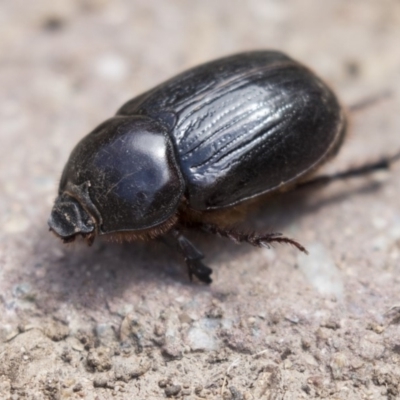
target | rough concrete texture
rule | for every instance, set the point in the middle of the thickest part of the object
(123, 321)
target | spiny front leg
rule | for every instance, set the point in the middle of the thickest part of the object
(253, 238)
(192, 256)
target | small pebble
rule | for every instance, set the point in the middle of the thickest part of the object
(100, 381)
(163, 383)
(198, 389)
(172, 390)
(77, 388)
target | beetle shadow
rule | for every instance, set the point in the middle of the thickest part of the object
(89, 276)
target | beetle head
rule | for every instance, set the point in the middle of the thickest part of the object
(69, 219)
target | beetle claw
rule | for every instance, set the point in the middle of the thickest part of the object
(283, 239)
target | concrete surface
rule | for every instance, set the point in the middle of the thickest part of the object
(122, 321)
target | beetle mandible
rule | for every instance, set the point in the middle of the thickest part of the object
(198, 147)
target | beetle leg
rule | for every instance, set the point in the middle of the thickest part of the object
(370, 101)
(365, 169)
(192, 256)
(254, 238)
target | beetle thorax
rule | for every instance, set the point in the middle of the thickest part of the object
(125, 176)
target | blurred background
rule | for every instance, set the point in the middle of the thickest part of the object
(67, 65)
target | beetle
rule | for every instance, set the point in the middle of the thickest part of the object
(195, 150)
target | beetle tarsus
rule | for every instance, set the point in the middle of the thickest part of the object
(199, 270)
(265, 240)
(253, 238)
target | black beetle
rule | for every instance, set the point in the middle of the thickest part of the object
(193, 150)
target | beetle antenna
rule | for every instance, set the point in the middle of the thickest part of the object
(254, 238)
